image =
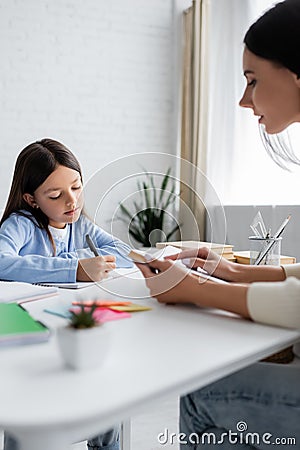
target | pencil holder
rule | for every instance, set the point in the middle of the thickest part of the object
(268, 248)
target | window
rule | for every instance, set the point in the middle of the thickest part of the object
(238, 165)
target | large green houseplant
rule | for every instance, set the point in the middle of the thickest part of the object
(147, 223)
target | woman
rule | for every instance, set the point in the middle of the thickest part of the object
(265, 396)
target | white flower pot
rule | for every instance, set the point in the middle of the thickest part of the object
(83, 349)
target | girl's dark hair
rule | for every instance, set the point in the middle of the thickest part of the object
(275, 36)
(33, 166)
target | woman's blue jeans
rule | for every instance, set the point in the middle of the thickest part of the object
(105, 441)
(255, 408)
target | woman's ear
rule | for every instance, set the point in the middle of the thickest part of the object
(297, 79)
(30, 200)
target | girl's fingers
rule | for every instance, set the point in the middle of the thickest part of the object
(109, 258)
(110, 266)
(107, 263)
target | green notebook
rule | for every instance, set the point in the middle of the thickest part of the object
(17, 327)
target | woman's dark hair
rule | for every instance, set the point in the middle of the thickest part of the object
(33, 166)
(275, 36)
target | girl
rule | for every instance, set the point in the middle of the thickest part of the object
(265, 396)
(43, 229)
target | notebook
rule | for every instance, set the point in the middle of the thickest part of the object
(116, 273)
(15, 291)
(17, 327)
(76, 285)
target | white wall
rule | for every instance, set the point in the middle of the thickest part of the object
(97, 75)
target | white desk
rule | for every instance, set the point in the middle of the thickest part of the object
(170, 350)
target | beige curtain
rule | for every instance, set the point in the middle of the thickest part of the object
(194, 123)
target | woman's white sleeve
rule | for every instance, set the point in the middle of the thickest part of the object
(292, 270)
(275, 303)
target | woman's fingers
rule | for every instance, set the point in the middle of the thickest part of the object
(184, 254)
(173, 257)
(167, 277)
(171, 284)
(190, 257)
(145, 269)
(153, 268)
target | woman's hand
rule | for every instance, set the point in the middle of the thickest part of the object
(170, 283)
(95, 269)
(226, 270)
(210, 261)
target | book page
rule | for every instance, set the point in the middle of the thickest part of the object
(146, 256)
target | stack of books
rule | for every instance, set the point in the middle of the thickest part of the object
(243, 257)
(225, 250)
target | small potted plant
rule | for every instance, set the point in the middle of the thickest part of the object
(84, 341)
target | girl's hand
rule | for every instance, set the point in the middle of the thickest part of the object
(170, 283)
(210, 261)
(95, 269)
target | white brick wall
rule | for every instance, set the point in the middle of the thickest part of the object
(96, 74)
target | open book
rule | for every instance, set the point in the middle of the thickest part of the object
(18, 292)
(141, 256)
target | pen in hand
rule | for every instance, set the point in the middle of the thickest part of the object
(91, 245)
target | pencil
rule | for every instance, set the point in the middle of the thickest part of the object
(91, 245)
